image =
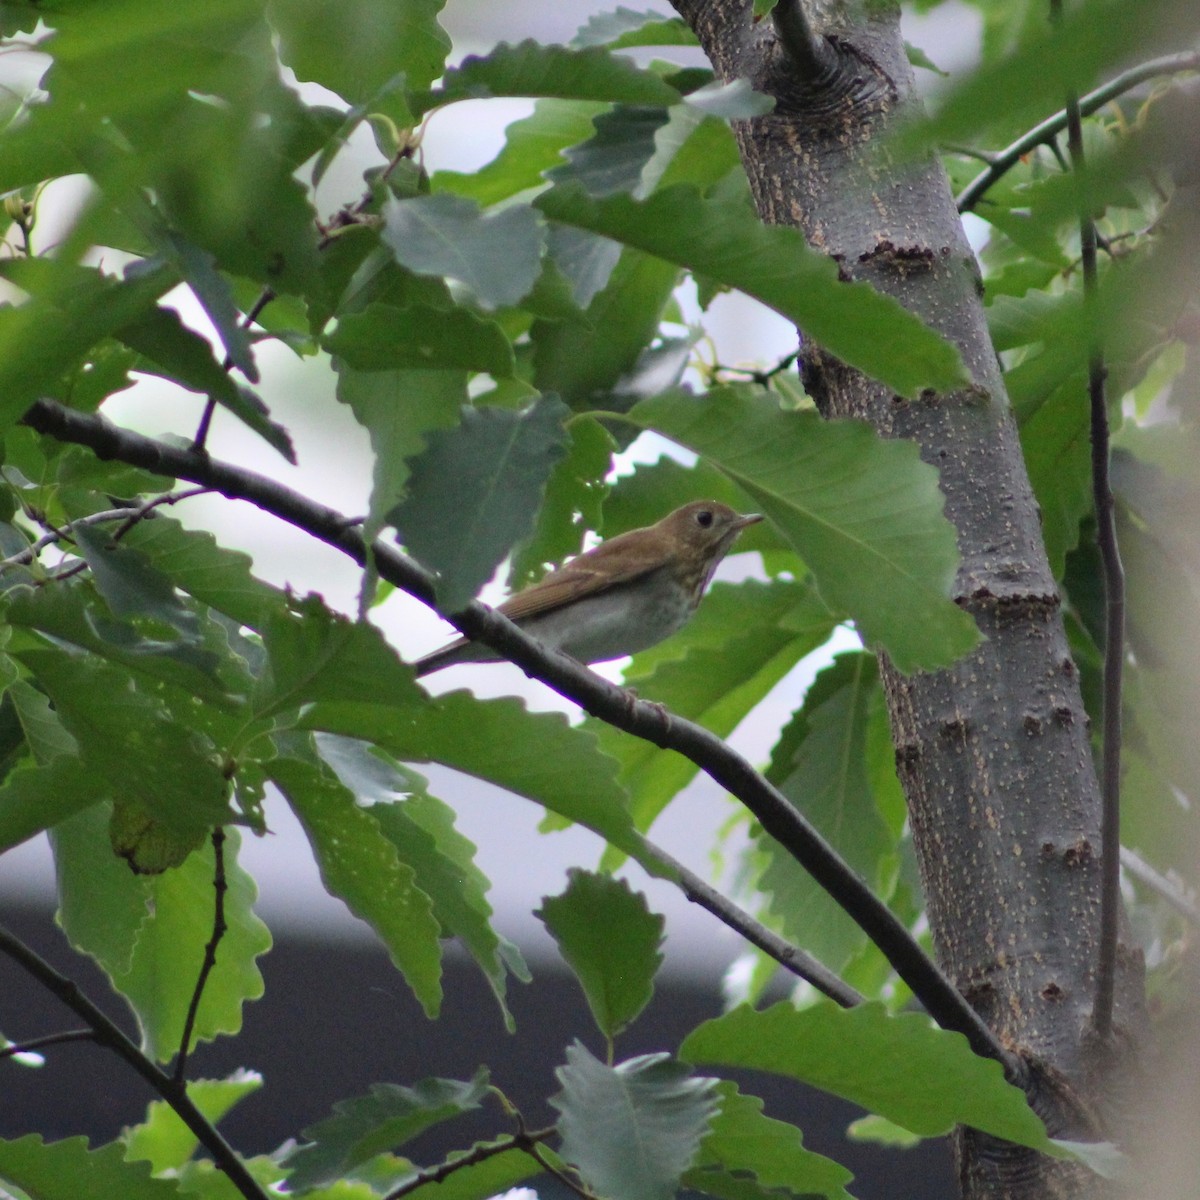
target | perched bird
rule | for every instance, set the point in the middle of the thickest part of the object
(627, 594)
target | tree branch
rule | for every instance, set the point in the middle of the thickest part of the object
(50, 1039)
(815, 60)
(108, 1034)
(1003, 162)
(595, 695)
(790, 957)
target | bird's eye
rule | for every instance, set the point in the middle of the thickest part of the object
(704, 518)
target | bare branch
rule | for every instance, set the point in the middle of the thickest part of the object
(1179, 898)
(815, 60)
(595, 695)
(49, 1039)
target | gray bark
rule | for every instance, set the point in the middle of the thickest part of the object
(994, 753)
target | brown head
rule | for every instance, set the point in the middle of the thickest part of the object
(702, 533)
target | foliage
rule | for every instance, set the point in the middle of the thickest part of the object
(501, 336)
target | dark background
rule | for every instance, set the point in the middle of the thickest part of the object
(336, 1018)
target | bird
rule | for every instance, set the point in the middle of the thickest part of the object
(625, 595)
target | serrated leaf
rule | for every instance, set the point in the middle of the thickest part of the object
(901, 1067)
(164, 1141)
(725, 240)
(496, 255)
(574, 494)
(611, 941)
(743, 1139)
(533, 69)
(149, 934)
(613, 158)
(197, 564)
(585, 361)
(71, 1170)
(624, 27)
(130, 583)
(354, 48)
(531, 146)
(631, 1130)
(398, 408)
(383, 337)
(422, 830)
(360, 866)
(132, 744)
(567, 774)
(34, 798)
(384, 1119)
(820, 765)
(474, 491)
(864, 513)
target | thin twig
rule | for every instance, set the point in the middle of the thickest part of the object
(219, 930)
(49, 1039)
(130, 517)
(612, 704)
(1114, 591)
(1182, 900)
(788, 956)
(1043, 134)
(109, 1035)
(443, 1170)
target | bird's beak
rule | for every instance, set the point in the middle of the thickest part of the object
(748, 519)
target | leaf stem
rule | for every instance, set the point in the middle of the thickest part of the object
(49, 1039)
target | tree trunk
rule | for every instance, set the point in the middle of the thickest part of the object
(994, 753)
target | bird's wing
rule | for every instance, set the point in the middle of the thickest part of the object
(584, 576)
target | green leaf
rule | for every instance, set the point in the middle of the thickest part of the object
(422, 830)
(473, 493)
(102, 905)
(583, 362)
(196, 563)
(149, 934)
(71, 1170)
(360, 866)
(132, 744)
(567, 774)
(725, 240)
(532, 145)
(882, 1132)
(613, 159)
(383, 337)
(901, 1067)
(612, 942)
(387, 1117)
(820, 764)
(51, 333)
(574, 493)
(355, 47)
(164, 1141)
(919, 58)
(864, 513)
(631, 1130)
(33, 798)
(624, 28)
(533, 69)
(743, 1140)
(495, 255)
(397, 409)
(130, 583)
